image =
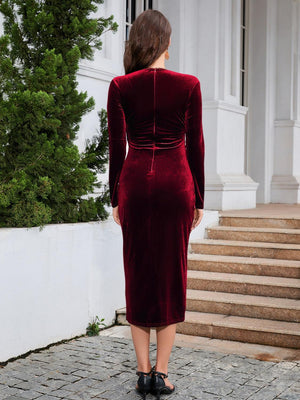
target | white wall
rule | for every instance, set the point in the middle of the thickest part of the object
(54, 281)
(94, 76)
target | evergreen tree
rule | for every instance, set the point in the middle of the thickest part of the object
(43, 177)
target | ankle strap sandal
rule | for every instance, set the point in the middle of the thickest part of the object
(144, 382)
(143, 373)
(159, 385)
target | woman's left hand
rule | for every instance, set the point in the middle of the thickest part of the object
(198, 215)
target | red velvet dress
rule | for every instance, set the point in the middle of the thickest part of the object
(157, 186)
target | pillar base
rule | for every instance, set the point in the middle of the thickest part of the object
(230, 192)
(285, 189)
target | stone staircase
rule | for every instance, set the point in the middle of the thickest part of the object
(243, 282)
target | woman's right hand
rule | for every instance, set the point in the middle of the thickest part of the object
(198, 214)
(116, 214)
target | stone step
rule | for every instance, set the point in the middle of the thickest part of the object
(243, 329)
(244, 284)
(260, 221)
(244, 265)
(271, 235)
(231, 328)
(281, 251)
(243, 305)
(257, 351)
(121, 316)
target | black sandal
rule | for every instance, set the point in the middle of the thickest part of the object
(159, 385)
(144, 382)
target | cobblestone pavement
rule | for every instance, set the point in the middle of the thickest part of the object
(103, 367)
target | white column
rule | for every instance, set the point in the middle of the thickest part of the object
(285, 187)
(218, 38)
(205, 42)
(261, 95)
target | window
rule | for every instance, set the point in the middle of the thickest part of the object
(244, 52)
(133, 9)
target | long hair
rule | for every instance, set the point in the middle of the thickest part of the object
(148, 38)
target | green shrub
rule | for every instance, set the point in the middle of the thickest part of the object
(43, 176)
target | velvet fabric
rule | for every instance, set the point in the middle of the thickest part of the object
(156, 185)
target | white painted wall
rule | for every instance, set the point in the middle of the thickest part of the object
(54, 281)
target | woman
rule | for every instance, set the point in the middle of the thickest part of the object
(157, 191)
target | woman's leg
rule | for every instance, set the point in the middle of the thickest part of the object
(165, 339)
(141, 340)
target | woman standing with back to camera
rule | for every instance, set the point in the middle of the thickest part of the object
(157, 191)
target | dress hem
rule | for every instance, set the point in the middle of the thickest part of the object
(156, 324)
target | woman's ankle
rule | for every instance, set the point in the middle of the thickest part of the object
(161, 368)
(144, 367)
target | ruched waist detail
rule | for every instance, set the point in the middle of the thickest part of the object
(156, 146)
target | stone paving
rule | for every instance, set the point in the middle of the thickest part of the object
(103, 367)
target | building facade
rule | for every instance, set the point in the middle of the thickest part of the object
(246, 54)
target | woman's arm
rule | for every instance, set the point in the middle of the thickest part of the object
(195, 143)
(117, 139)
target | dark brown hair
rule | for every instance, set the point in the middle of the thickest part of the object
(148, 38)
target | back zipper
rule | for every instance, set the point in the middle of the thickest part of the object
(154, 105)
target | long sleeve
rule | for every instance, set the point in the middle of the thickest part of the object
(117, 139)
(195, 143)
